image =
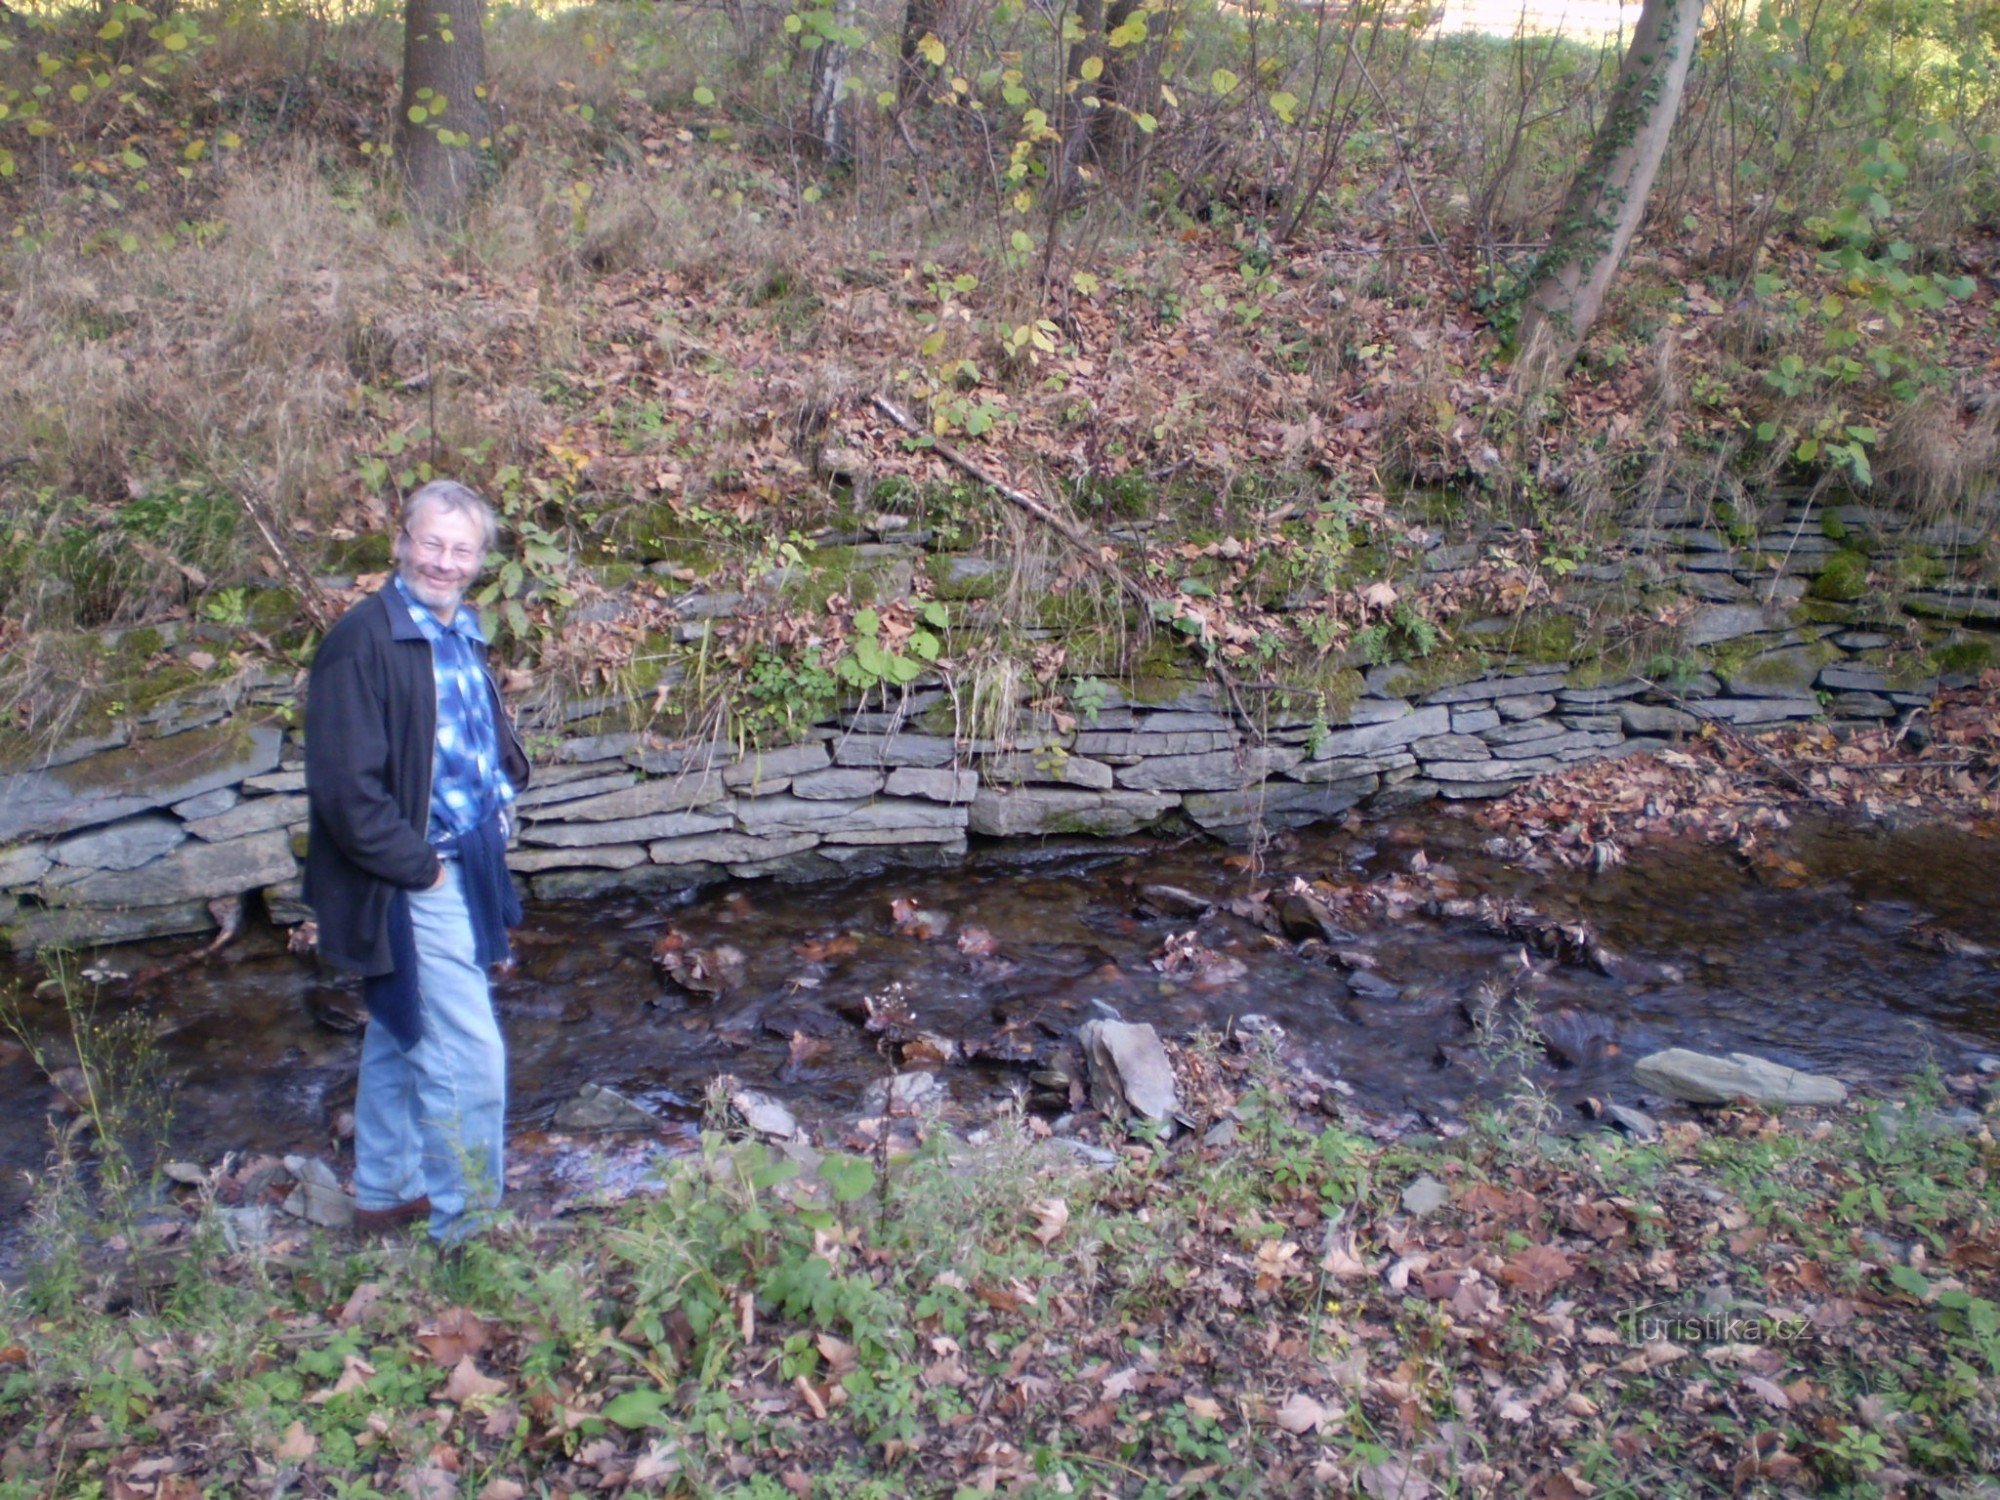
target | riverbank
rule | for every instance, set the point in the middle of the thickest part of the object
(1270, 1303)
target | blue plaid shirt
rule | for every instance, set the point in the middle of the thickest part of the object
(467, 784)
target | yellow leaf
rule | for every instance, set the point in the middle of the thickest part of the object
(1093, 68)
(932, 50)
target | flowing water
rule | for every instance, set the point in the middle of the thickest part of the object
(1857, 951)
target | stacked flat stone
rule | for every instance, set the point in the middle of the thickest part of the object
(136, 831)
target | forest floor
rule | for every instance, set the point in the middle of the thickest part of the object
(707, 342)
(1270, 1304)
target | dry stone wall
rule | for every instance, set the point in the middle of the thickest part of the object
(155, 829)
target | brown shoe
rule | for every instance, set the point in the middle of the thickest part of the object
(382, 1220)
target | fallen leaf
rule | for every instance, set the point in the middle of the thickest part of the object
(430, 1482)
(501, 1489)
(1301, 1414)
(1537, 1270)
(1651, 1356)
(1052, 1215)
(468, 1384)
(838, 1353)
(1394, 1479)
(659, 1463)
(809, 1394)
(296, 1446)
(455, 1333)
(1205, 1407)
(1772, 1394)
(358, 1302)
(841, 945)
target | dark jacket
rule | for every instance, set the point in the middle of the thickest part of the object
(371, 731)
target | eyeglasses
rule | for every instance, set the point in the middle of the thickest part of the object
(433, 549)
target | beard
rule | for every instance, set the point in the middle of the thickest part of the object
(439, 594)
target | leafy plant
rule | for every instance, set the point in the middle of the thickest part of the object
(877, 659)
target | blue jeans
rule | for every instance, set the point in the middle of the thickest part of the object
(433, 1120)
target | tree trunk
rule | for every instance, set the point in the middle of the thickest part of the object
(915, 78)
(1089, 124)
(444, 125)
(828, 120)
(1607, 199)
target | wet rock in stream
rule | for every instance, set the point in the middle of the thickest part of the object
(1700, 1079)
(596, 1107)
(1172, 901)
(760, 1113)
(904, 1094)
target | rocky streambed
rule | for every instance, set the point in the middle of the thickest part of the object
(1405, 969)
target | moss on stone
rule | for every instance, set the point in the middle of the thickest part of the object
(146, 762)
(1728, 657)
(614, 575)
(858, 577)
(1317, 684)
(1844, 578)
(140, 645)
(1811, 611)
(1544, 636)
(272, 611)
(1917, 566)
(1444, 667)
(1968, 654)
(951, 581)
(361, 554)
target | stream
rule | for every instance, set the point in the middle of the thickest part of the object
(1861, 951)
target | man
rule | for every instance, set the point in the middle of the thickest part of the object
(411, 768)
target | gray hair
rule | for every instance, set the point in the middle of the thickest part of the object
(459, 499)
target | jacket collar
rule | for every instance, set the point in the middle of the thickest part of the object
(401, 626)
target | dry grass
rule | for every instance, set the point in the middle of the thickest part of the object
(283, 330)
(1943, 459)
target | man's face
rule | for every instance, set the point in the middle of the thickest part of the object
(438, 556)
